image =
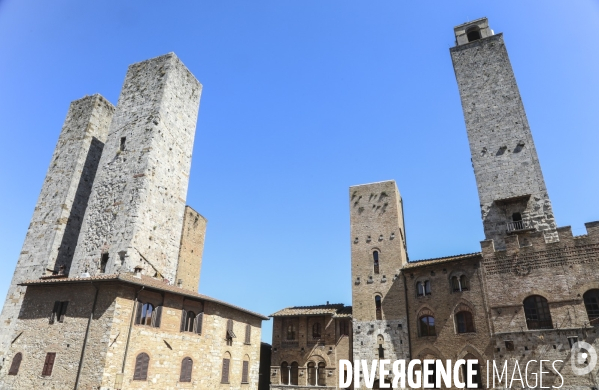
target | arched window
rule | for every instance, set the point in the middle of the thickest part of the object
(379, 309)
(294, 374)
(464, 322)
(142, 362)
(375, 257)
(148, 315)
(186, 368)
(473, 34)
(284, 373)
(380, 340)
(190, 321)
(226, 367)
(16, 363)
(427, 325)
(591, 303)
(427, 287)
(322, 374)
(311, 374)
(463, 283)
(316, 331)
(419, 289)
(475, 367)
(537, 313)
(291, 332)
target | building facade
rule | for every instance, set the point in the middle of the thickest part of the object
(104, 295)
(530, 294)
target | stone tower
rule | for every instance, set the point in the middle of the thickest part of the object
(56, 222)
(512, 192)
(378, 252)
(137, 204)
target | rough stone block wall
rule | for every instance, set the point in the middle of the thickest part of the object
(329, 350)
(167, 346)
(504, 156)
(54, 229)
(37, 337)
(376, 218)
(561, 272)
(190, 253)
(137, 204)
(443, 303)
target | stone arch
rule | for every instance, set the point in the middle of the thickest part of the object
(317, 357)
(424, 310)
(429, 350)
(533, 291)
(464, 305)
(289, 358)
(470, 349)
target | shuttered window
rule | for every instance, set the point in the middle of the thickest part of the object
(49, 364)
(248, 333)
(225, 374)
(199, 323)
(16, 363)
(229, 335)
(156, 317)
(245, 372)
(59, 311)
(186, 367)
(148, 315)
(142, 361)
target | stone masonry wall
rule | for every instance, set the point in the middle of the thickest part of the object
(56, 221)
(190, 253)
(504, 156)
(376, 219)
(329, 349)
(561, 272)
(37, 337)
(137, 204)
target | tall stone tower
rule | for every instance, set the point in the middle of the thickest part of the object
(378, 252)
(54, 229)
(137, 204)
(512, 192)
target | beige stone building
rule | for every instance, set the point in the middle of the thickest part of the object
(105, 292)
(531, 293)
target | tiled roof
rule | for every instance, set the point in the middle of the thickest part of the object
(144, 280)
(439, 260)
(334, 309)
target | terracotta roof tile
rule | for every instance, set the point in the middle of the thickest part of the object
(439, 260)
(144, 280)
(334, 309)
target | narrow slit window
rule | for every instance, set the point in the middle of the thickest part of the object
(379, 310)
(103, 262)
(375, 257)
(123, 142)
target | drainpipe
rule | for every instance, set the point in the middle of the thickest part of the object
(129, 332)
(89, 322)
(405, 284)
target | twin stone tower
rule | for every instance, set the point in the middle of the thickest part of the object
(114, 197)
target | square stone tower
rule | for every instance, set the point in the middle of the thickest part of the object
(137, 204)
(56, 222)
(512, 192)
(378, 252)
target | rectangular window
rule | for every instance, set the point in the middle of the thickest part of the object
(229, 335)
(572, 340)
(103, 262)
(244, 372)
(49, 364)
(59, 311)
(344, 328)
(248, 333)
(122, 146)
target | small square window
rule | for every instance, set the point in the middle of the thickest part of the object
(509, 345)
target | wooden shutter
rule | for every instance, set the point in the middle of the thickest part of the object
(183, 320)
(138, 314)
(16, 363)
(225, 375)
(186, 367)
(142, 361)
(62, 311)
(248, 333)
(156, 316)
(49, 364)
(199, 322)
(55, 310)
(244, 372)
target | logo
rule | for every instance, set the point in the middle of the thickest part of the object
(583, 358)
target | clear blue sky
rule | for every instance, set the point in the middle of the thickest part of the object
(301, 100)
